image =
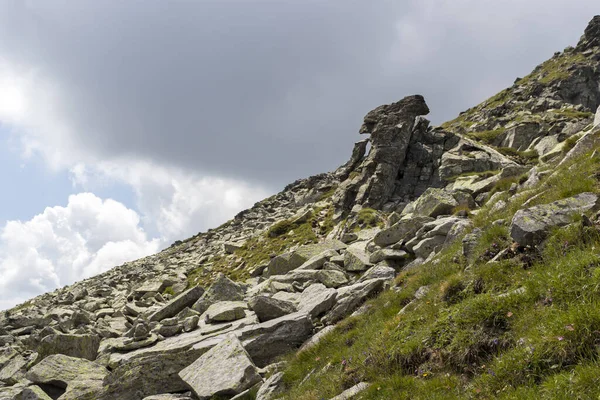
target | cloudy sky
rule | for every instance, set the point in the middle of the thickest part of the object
(125, 125)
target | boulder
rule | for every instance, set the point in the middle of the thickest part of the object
(388, 254)
(316, 300)
(351, 297)
(378, 272)
(14, 370)
(231, 247)
(224, 370)
(597, 117)
(425, 247)
(81, 378)
(222, 289)
(531, 226)
(79, 346)
(224, 311)
(401, 230)
(267, 308)
(316, 262)
(356, 258)
(177, 304)
(269, 340)
(435, 202)
(272, 387)
(332, 278)
(31, 393)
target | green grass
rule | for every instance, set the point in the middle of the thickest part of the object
(487, 137)
(368, 218)
(527, 327)
(528, 157)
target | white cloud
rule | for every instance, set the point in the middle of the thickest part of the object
(66, 244)
(174, 202)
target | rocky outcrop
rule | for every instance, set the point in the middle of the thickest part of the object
(391, 128)
(531, 226)
(161, 326)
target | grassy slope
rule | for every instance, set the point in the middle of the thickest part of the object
(526, 327)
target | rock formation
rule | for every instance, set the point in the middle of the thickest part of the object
(212, 315)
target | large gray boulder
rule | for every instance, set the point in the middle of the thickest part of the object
(226, 369)
(225, 311)
(532, 225)
(317, 299)
(80, 346)
(356, 258)
(222, 289)
(289, 261)
(180, 302)
(267, 308)
(269, 340)
(435, 202)
(350, 297)
(81, 378)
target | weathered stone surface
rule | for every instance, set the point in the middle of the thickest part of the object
(316, 262)
(350, 297)
(530, 226)
(332, 278)
(401, 230)
(169, 397)
(388, 254)
(435, 202)
(226, 369)
(425, 247)
(272, 387)
(180, 302)
(268, 308)
(222, 289)
(231, 247)
(80, 346)
(81, 378)
(61, 369)
(352, 392)
(390, 127)
(224, 311)
(356, 259)
(316, 339)
(584, 145)
(378, 272)
(31, 393)
(597, 117)
(289, 261)
(154, 370)
(268, 340)
(13, 370)
(317, 299)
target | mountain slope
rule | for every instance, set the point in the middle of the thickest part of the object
(476, 242)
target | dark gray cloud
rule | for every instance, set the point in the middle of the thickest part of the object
(269, 91)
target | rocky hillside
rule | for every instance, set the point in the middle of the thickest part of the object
(447, 262)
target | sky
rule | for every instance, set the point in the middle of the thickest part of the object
(125, 126)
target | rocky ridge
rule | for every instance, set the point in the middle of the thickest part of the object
(214, 314)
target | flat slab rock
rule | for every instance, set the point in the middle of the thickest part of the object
(532, 225)
(80, 346)
(226, 369)
(225, 311)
